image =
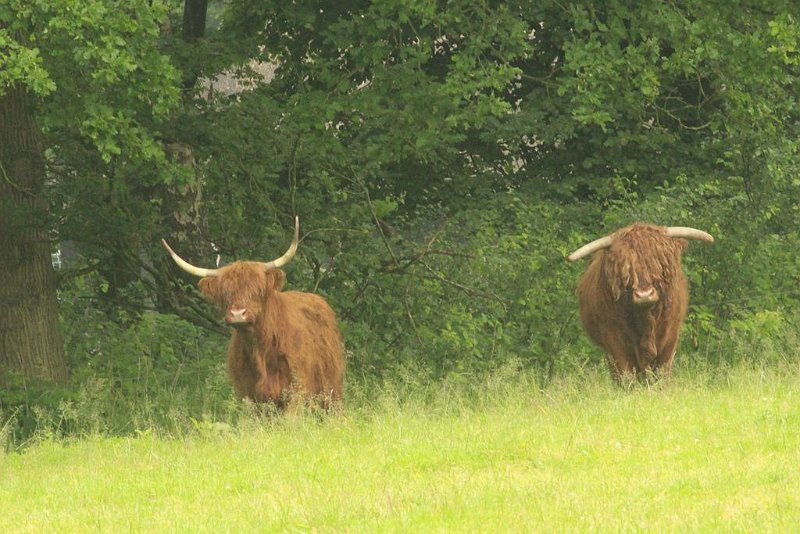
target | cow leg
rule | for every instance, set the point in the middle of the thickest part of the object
(623, 368)
(265, 389)
(647, 350)
(647, 361)
(244, 374)
(665, 363)
(666, 368)
(666, 353)
(273, 384)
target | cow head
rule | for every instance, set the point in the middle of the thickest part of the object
(240, 289)
(641, 261)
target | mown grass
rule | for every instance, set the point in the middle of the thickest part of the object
(710, 450)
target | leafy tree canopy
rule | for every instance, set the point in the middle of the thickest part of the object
(443, 157)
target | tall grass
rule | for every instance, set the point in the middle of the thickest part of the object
(713, 449)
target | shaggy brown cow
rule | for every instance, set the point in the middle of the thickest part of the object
(633, 296)
(282, 341)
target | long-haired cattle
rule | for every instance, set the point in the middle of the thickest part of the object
(283, 342)
(633, 296)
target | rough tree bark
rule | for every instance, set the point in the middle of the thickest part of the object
(30, 338)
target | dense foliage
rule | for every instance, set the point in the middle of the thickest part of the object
(442, 158)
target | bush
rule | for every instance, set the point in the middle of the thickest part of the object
(127, 375)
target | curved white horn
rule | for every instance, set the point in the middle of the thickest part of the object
(689, 233)
(585, 250)
(283, 260)
(188, 267)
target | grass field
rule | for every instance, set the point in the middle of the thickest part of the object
(713, 451)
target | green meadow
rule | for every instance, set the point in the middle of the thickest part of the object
(715, 450)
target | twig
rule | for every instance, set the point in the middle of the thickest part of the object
(465, 289)
(14, 186)
(66, 276)
(410, 315)
(293, 171)
(378, 224)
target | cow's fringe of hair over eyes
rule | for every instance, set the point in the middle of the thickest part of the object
(642, 255)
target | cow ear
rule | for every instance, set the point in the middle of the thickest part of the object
(209, 286)
(275, 279)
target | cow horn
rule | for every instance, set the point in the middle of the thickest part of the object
(689, 233)
(283, 260)
(585, 250)
(188, 267)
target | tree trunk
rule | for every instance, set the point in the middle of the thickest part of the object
(194, 20)
(30, 337)
(194, 28)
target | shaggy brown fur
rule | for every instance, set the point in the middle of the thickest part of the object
(282, 342)
(637, 338)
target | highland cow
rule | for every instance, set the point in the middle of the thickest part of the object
(633, 296)
(284, 344)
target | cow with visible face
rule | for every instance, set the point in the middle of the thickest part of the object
(283, 342)
(633, 296)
